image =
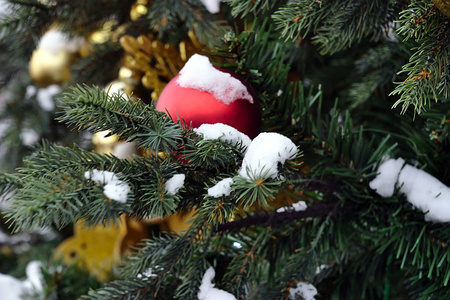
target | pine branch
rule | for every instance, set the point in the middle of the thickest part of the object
(353, 21)
(132, 120)
(244, 8)
(167, 16)
(299, 18)
(53, 190)
(279, 219)
(428, 71)
(30, 20)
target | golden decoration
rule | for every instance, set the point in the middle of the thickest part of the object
(47, 68)
(154, 62)
(97, 248)
(100, 248)
(139, 9)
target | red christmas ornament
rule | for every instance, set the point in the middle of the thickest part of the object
(203, 94)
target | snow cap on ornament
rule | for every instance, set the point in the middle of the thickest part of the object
(204, 94)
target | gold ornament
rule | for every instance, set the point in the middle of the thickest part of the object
(99, 248)
(52, 66)
(47, 68)
(139, 9)
(154, 62)
(104, 144)
(444, 6)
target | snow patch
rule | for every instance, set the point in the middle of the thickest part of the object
(198, 73)
(4, 9)
(305, 290)
(29, 136)
(44, 96)
(421, 189)
(264, 154)
(55, 41)
(213, 6)
(174, 184)
(384, 184)
(299, 206)
(209, 292)
(12, 288)
(223, 132)
(222, 188)
(114, 188)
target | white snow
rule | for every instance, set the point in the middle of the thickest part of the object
(384, 184)
(421, 189)
(237, 245)
(320, 268)
(198, 73)
(146, 274)
(4, 9)
(125, 149)
(44, 96)
(209, 292)
(223, 132)
(29, 136)
(299, 206)
(175, 183)
(12, 288)
(55, 41)
(113, 188)
(264, 154)
(213, 6)
(305, 290)
(222, 188)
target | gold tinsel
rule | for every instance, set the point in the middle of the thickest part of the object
(154, 62)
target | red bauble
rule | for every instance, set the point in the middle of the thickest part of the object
(197, 107)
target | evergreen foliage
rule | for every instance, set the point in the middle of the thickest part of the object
(350, 242)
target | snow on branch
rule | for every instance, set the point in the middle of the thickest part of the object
(223, 132)
(113, 188)
(222, 188)
(175, 183)
(209, 292)
(422, 190)
(305, 290)
(264, 154)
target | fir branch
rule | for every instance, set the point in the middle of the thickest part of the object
(217, 155)
(91, 108)
(259, 189)
(353, 21)
(162, 256)
(54, 190)
(167, 16)
(137, 288)
(299, 18)
(9, 183)
(428, 71)
(25, 26)
(244, 266)
(244, 8)
(279, 219)
(335, 25)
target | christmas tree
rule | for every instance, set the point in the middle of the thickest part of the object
(235, 149)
